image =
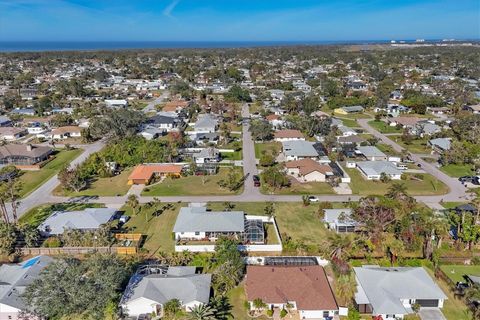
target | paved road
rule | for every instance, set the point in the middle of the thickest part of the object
(249, 160)
(151, 106)
(457, 190)
(43, 195)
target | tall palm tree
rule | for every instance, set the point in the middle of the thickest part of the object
(222, 307)
(202, 312)
(345, 288)
(132, 202)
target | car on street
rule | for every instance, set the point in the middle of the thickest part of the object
(256, 181)
(313, 199)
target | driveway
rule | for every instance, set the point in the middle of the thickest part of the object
(151, 106)
(431, 314)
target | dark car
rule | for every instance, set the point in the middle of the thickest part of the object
(472, 179)
(256, 181)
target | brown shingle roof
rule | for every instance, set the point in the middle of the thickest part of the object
(306, 285)
(66, 129)
(288, 133)
(307, 166)
(22, 150)
(174, 105)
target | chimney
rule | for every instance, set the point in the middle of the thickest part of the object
(29, 147)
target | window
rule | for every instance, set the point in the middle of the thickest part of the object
(326, 314)
(197, 233)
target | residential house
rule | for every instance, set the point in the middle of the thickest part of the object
(373, 170)
(276, 94)
(85, 220)
(151, 132)
(346, 131)
(302, 288)
(440, 145)
(144, 173)
(308, 170)
(350, 140)
(116, 103)
(339, 220)
(66, 132)
(14, 279)
(175, 106)
(203, 139)
(391, 292)
(357, 85)
(371, 153)
(207, 155)
(24, 111)
(206, 123)
(438, 110)
(275, 120)
(23, 154)
(473, 108)
(425, 128)
(12, 133)
(5, 121)
(349, 110)
(404, 122)
(299, 149)
(288, 135)
(393, 110)
(166, 123)
(396, 95)
(154, 285)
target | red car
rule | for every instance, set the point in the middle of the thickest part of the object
(256, 181)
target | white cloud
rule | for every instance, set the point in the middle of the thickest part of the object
(169, 9)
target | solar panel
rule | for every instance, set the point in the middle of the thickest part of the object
(291, 261)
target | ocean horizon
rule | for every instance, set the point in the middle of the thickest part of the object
(37, 46)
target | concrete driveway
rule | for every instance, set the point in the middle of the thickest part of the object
(431, 314)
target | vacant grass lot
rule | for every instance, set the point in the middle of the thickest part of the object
(102, 187)
(428, 186)
(271, 147)
(37, 215)
(416, 146)
(308, 188)
(458, 170)
(191, 186)
(351, 123)
(31, 180)
(383, 127)
(387, 149)
(456, 272)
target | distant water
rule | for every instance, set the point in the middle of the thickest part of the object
(26, 46)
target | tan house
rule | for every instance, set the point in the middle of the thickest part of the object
(12, 133)
(66, 132)
(308, 170)
(288, 135)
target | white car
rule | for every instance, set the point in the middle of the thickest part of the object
(313, 199)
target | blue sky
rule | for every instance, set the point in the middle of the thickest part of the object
(237, 20)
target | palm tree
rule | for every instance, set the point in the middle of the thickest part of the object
(222, 307)
(345, 288)
(132, 202)
(202, 312)
(339, 244)
(172, 307)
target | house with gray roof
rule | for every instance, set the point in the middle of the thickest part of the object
(373, 170)
(440, 145)
(299, 149)
(149, 290)
(339, 220)
(206, 123)
(371, 153)
(85, 220)
(391, 292)
(14, 278)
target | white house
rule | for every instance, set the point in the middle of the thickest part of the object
(116, 103)
(373, 170)
(299, 149)
(339, 220)
(153, 286)
(371, 153)
(391, 292)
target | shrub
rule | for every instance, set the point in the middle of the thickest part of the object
(270, 313)
(475, 261)
(52, 242)
(283, 313)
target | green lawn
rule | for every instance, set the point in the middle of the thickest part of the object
(236, 155)
(157, 229)
(416, 146)
(308, 188)
(352, 123)
(267, 147)
(102, 187)
(451, 205)
(387, 149)
(458, 170)
(383, 127)
(31, 180)
(428, 186)
(191, 186)
(37, 215)
(456, 272)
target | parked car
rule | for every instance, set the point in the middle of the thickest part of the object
(256, 181)
(472, 179)
(313, 199)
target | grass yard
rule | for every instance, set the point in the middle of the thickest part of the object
(191, 186)
(299, 222)
(37, 215)
(416, 146)
(456, 272)
(102, 187)
(158, 229)
(383, 127)
(458, 170)
(271, 147)
(451, 205)
(308, 188)
(428, 186)
(352, 123)
(387, 149)
(236, 155)
(31, 180)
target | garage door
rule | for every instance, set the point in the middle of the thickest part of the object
(427, 303)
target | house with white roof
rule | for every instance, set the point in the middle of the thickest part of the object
(373, 170)
(299, 149)
(116, 103)
(339, 220)
(206, 123)
(153, 286)
(391, 292)
(85, 220)
(14, 279)
(440, 145)
(371, 153)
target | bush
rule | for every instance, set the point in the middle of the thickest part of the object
(270, 313)
(475, 261)
(283, 313)
(52, 242)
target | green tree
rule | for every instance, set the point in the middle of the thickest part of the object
(172, 307)
(8, 238)
(72, 178)
(132, 202)
(261, 130)
(202, 312)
